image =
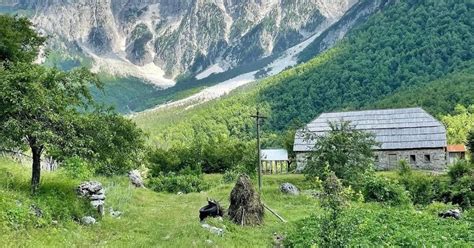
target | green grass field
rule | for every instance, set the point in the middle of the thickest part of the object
(153, 219)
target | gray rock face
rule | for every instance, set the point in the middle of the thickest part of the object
(88, 220)
(136, 178)
(289, 188)
(185, 36)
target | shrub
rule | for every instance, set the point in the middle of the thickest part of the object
(404, 169)
(174, 160)
(178, 183)
(230, 176)
(345, 151)
(462, 192)
(383, 190)
(77, 168)
(420, 187)
(460, 169)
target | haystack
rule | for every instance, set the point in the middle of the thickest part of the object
(245, 205)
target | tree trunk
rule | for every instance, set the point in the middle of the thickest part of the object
(36, 167)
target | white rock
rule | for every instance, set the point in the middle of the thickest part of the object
(88, 220)
(136, 178)
(97, 203)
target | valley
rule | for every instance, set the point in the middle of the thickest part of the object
(236, 123)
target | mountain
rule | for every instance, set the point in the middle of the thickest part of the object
(410, 53)
(161, 39)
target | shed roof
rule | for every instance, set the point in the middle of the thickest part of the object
(274, 155)
(408, 128)
(457, 148)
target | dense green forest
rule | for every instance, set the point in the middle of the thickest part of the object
(409, 54)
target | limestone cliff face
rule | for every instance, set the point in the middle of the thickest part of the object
(185, 36)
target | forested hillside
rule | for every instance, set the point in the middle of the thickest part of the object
(402, 56)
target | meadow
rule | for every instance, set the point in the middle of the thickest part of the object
(152, 219)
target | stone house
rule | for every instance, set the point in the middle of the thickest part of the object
(409, 134)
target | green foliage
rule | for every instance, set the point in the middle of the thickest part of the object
(56, 199)
(333, 232)
(375, 225)
(175, 160)
(231, 175)
(75, 167)
(470, 141)
(396, 48)
(174, 183)
(345, 151)
(379, 189)
(396, 53)
(459, 124)
(421, 188)
(437, 97)
(19, 42)
(404, 169)
(460, 169)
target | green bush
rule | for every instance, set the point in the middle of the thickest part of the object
(178, 183)
(172, 161)
(311, 231)
(77, 168)
(380, 189)
(230, 176)
(420, 187)
(376, 225)
(404, 169)
(460, 169)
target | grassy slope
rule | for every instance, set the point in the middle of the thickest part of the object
(168, 220)
(152, 219)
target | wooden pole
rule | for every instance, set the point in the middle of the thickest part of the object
(274, 213)
(259, 117)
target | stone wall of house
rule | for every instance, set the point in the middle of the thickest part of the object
(421, 159)
(301, 160)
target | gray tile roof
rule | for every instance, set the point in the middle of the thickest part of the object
(408, 128)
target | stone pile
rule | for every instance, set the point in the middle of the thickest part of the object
(94, 192)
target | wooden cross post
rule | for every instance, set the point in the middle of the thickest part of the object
(259, 117)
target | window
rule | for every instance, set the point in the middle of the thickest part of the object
(412, 159)
(427, 158)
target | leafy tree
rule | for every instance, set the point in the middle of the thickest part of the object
(107, 140)
(344, 150)
(45, 109)
(18, 39)
(39, 107)
(459, 124)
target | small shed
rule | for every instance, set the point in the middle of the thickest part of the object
(456, 152)
(275, 161)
